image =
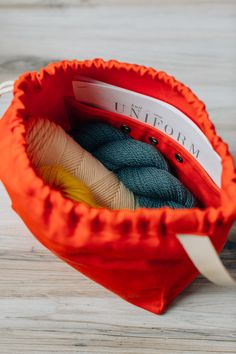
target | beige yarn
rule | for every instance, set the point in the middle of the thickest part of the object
(48, 144)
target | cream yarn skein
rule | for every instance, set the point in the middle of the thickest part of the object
(49, 144)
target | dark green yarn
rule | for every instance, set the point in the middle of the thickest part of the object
(130, 153)
(140, 166)
(91, 136)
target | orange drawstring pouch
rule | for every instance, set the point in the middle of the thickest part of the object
(146, 256)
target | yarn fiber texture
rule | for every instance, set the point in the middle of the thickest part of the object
(70, 186)
(49, 144)
(140, 166)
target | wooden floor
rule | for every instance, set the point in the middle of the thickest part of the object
(47, 307)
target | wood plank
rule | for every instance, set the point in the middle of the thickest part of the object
(91, 3)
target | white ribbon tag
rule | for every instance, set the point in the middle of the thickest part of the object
(205, 258)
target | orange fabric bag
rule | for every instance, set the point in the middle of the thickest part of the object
(135, 254)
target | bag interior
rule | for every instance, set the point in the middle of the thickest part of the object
(51, 96)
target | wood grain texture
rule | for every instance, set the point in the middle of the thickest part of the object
(47, 307)
(92, 3)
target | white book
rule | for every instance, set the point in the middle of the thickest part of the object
(152, 111)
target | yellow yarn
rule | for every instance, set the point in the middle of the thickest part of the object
(71, 187)
(48, 144)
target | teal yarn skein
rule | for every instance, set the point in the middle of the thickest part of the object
(140, 166)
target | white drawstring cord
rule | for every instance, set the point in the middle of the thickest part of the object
(6, 87)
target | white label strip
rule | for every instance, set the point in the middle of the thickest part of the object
(161, 115)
